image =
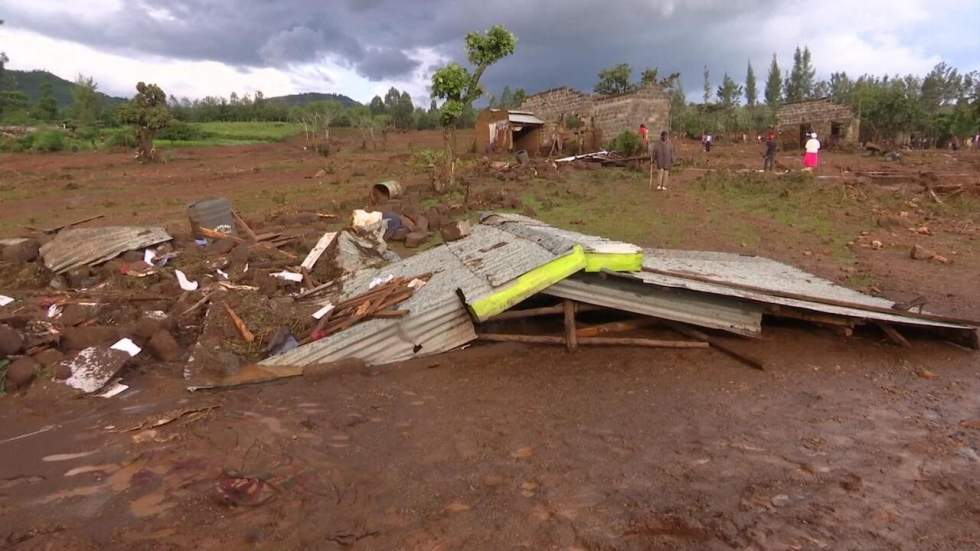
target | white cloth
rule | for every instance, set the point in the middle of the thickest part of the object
(812, 145)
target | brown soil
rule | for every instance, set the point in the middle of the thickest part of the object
(842, 443)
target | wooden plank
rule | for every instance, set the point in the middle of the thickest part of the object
(893, 334)
(317, 251)
(542, 311)
(817, 300)
(688, 331)
(243, 330)
(590, 341)
(248, 231)
(615, 327)
(571, 342)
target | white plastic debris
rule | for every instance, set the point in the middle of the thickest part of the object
(323, 311)
(115, 389)
(54, 311)
(127, 346)
(222, 273)
(417, 284)
(5, 300)
(185, 283)
(380, 280)
(288, 276)
(364, 221)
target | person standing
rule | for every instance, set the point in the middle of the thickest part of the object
(663, 157)
(769, 164)
(645, 135)
(811, 153)
(707, 142)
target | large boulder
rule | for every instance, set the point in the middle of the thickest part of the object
(21, 373)
(11, 342)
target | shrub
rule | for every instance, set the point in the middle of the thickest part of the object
(627, 143)
(13, 144)
(123, 137)
(49, 140)
(181, 131)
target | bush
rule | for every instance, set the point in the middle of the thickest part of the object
(627, 143)
(123, 137)
(17, 144)
(181, 131)
(49, 140)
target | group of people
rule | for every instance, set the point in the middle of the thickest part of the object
(662, 153)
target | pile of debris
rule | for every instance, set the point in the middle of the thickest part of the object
(231, 305)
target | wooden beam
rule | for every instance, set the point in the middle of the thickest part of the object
(542, 311)
(893, 334)
(571, 342)
(615, 327)
(590, 341)
(688, 331)
(245, 228)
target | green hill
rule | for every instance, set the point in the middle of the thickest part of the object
(29, 82)
(309, 97)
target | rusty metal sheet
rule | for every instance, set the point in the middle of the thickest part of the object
(77, 247)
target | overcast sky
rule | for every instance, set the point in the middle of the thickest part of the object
(361, 47)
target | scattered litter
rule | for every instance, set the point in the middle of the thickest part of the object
(381, 280)
(224, 275)
(201, 242)
(114, 390)
(417, 284)
(127, 346)
(288, 276)
(54, 311)
(93, 367)
(364, 221)
(5, 300)
(322, 311)
(185, 283)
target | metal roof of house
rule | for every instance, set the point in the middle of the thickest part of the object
(523, 118)
(556, 240)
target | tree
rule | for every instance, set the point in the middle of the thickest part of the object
(707, 85)
(615, 80)
(729, 92)
(47, 106)
(841, 87)
(86, 106)
(3, 60)
(316, 118)
(751, 94)
(774, 84)
(458, 88)
(377, 106)
(648, 77)
(403, 112)
(799, 85)
(148, 112)
(391, 100)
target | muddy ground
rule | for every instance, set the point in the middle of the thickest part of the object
(842, 443)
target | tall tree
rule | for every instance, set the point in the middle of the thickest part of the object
(751, 94)
(707, 85)
(148, 112)
(774, 84)
(86, 107)
(808, 75)
(47, 106)
(729, 92)
(377, 106)
(459, 88)
(3, 61)
(840, 87)
(403, 111)
(799, 85)
(649, 76)
(615, 80)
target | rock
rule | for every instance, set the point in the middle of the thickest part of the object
(151, 323)
(11, 342)
(926, 374)
(21, 373)
(940, 258)
(781, 500)
(434, 218)
(48, 357)
(923, 230)
(890, 221)
(73, 314)
(851, 482)
(522, 453)
(455, 230)
(61, 371)
(164, 347)
(921, 253)
(82, 278)
(877, 244)
(398, 235)
(58, 283)
(22, 253)
(421, 223)
(415, 239)
(78, 338)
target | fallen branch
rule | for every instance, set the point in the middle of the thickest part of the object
(247, 335)
(248, 231)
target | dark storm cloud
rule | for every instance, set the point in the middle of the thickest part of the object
(560, 41)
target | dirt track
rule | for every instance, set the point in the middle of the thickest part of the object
(843, 443)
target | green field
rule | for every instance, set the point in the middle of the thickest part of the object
(236, 133)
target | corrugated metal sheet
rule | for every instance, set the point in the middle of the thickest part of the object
(699, 309)
(88, 246)
(523, 118)
(767, 274)
(556, 240)
(497, 256)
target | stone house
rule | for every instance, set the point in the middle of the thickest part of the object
(602, 117)
(834, 123)
(500, 130)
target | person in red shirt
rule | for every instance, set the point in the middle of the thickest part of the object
(645, 135)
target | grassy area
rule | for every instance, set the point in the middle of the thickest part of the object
(235, 133)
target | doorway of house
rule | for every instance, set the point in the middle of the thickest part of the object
(804, 134)
(835, 133)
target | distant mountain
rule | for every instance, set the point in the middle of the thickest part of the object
(309, 97)
(29, 82)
